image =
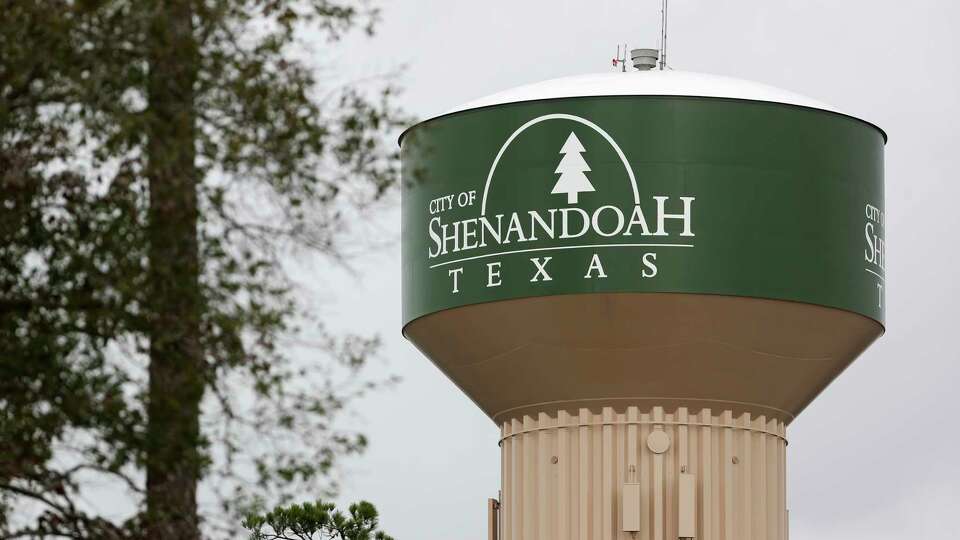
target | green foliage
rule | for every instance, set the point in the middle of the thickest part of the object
(316, 521)
(282, 164)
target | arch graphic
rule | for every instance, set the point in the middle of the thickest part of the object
(558, 116)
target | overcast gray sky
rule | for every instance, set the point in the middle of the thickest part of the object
(874, 457)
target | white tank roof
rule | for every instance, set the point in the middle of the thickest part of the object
(649, 83)
(646, 83)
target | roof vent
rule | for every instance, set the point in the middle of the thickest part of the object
(644, 59)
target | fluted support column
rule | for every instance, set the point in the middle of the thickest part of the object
(643, 474)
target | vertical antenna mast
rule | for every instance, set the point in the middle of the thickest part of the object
(621, 60)
(663, 36)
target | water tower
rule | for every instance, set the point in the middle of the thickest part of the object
(642, 278)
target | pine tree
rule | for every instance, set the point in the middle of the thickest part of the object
(159, 160)
(316, 521)
(571, 169)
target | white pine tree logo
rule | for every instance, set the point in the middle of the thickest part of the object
(571, 169)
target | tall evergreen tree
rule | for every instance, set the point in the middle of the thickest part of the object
(158, 160)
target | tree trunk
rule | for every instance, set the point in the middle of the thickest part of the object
(176, 357)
